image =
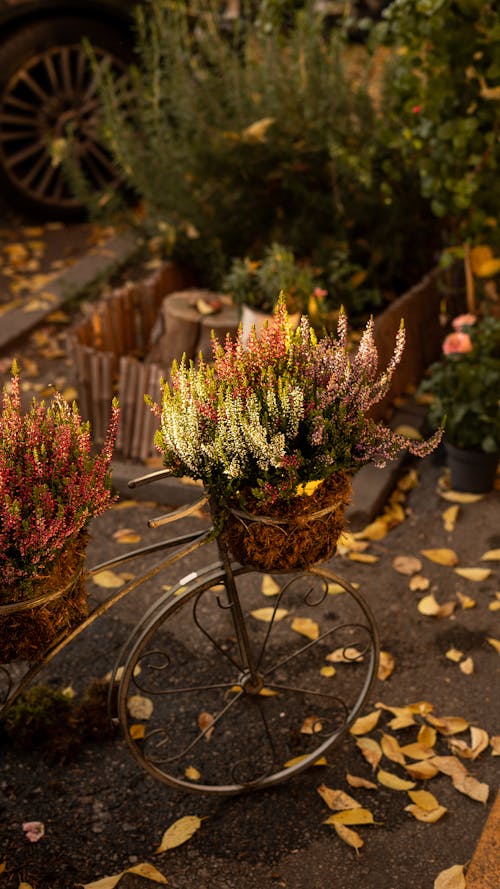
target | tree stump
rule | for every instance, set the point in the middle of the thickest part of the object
(187, 329)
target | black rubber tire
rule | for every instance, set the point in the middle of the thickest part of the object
(38, 49)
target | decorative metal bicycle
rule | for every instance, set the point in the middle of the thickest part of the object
(219, 690)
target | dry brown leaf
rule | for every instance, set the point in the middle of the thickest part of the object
(206, 724)
(394, 782)
(453, 654)
(346, 655)
(461, 779)
(137, 731)
(417, 750)
(407, 564)
(371, 751)
(178, 833)
(422, 771)
(311, 725)
(366, 558)
(269, 586)
(442, 556)
(448, 725)
(108, 579)
(192, 774)
(479, 742)
(495, 643)
(427, 736)
(385, 666)
(467, 666)
(321, 761)
(376, 530)
(491, 555)
(419, 582)
(466, 601)
(495, 745)
(391, 749)
(426, 816)
(306, 627)
(267, 614)
(126, 535)
(450, 517)
(451, 878)
(356, 781)
(365, 724)
(351, 816)
(460, 496)
(140, 707)
(351, 837)
(475, 574)
(430, 607)
(423, 799)
(336, 800)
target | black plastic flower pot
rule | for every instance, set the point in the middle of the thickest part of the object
(472, 471)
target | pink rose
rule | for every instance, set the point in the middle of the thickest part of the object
(463, 321)
(457, 342)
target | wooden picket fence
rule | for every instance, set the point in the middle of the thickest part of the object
(108, 349)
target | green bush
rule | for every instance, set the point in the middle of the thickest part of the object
(441, 104)
(244, 136)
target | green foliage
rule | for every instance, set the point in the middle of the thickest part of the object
(466, 388)
(442, 108)
(38, 716)
(258, 283)
(242, 137)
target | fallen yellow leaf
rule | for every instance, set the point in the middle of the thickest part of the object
(296, 759)
(409, 432)
(466, 601)
(429, 817)
(388, 779)
(328, 671)
(467, 666)
(431, 607)
(351, 816)
(462, 781)
(108, 579)
(406, 564)
(375, 531)
(356, 781)
(351, 837)
(336, 800)
(267, 614)
(206, 724)
(495, 643)
(385, 666)
(441, 556)
(391, 749)
(418, 582)
(148, 872)
(139, 707)
(306, 627)
(367, 558)
(451, 878)
(137, 731)
(335, 589)
(126, 535)
(178, 833)
(491, 555)
(192, 774)
(460, 496)
(479, 742)
(269, 586)
(427, 736)
(417, 750)
(371, 751)
(448, 725)
(453, 654)
(476, 574)
(421, 771)
(365, 724)
(347, 655)
(311, 725)
(423, 799)
(495, 745)
(450, 517)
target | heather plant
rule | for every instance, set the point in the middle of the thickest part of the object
(51, 484)
(284, 410)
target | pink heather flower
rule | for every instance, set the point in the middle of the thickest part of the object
(463, 321)
(319, 293)
(457, 343)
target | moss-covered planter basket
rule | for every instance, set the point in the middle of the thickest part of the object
(29, 626)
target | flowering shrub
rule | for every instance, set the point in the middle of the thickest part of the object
(285, 410)
(465, 384)
(51, 484)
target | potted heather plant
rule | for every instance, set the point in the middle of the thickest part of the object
(465, 388)
(51, 485)
(274, 430)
